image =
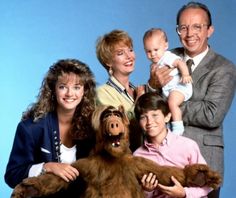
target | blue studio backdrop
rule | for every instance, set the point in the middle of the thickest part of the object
(34, 34)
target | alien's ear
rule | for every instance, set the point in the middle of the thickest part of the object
(96, 116)
(125, 117)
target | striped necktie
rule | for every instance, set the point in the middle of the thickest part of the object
(189, 64)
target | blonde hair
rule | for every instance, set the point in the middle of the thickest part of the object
(155, 31)
(106, 44)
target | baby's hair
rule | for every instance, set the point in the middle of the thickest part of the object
(155, 31)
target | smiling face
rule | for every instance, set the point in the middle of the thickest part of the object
(153, 122)
(123, 60)
(69, 92)
(195, 42)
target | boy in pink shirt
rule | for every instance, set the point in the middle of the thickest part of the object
(165, 148)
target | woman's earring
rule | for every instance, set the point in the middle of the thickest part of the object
(52, 97)
(110, 71)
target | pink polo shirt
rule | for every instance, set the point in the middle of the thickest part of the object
(177, 151)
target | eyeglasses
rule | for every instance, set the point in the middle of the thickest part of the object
(195, 28)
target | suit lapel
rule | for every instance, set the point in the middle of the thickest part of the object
(203, 67)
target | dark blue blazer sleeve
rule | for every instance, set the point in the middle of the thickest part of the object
(29, 140)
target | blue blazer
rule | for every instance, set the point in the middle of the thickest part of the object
(37, 142)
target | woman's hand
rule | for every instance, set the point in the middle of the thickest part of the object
(65, 171)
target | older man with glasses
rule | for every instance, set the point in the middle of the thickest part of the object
(214, 82)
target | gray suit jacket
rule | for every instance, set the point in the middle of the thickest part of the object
(214, 84)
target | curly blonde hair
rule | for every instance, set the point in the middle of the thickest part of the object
(46, 100)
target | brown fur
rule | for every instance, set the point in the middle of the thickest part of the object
(112, 171)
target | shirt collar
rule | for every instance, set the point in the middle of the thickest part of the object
(197, 59)
(118, 84)
(112, 81)
(166, 141)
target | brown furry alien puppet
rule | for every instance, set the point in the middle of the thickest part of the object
(112, 170)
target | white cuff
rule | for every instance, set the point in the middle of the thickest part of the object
(36, 170)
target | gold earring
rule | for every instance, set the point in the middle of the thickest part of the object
(110, 71)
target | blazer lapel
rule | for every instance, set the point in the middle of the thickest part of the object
(203, 67)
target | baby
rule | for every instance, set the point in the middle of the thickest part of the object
(179, 89)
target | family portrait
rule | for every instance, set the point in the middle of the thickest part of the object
(118, 99)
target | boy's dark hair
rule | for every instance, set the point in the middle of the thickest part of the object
(150, 101)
